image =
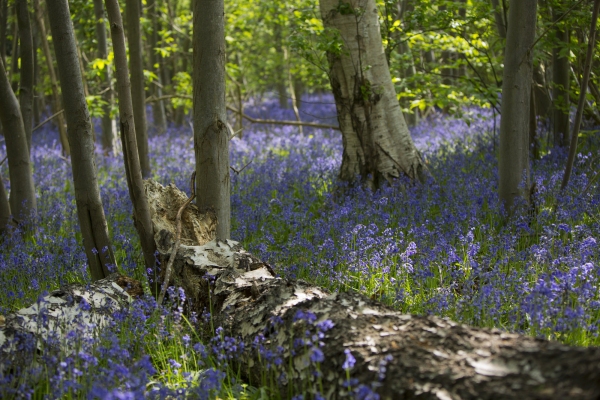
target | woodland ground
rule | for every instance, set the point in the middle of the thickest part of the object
(442, 248)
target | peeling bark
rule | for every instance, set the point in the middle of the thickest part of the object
(84, 308)
(397, 355)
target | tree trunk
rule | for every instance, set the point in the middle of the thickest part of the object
(158, 107)
(26, 72)
(62, 131)
(398, 356)
(3, 25)
(582, 92)
(377, 143)
(516, 86)
(4, 208)
(22, 191)
(138, 96)
(14, 67)
(499, 18)
(38, 95)
(90, 211)
(133, 172)
(211, 136)
(108, 131)
(561, 78)
(543, 101)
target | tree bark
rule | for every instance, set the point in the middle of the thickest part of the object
(56, 104)
(581, 103)
(211, 136)
(3, 25)
(26, 71)
(22, 191)
(108, 126)
(561, 78)
(90, 211)
(138, 97)
(133, 172)
(398, 356)
(4, 208)
(499, 18)
(516, 86)
(377, 143)
(543, 101)
(158, 107)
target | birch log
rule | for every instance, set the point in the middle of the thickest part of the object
(399, 356)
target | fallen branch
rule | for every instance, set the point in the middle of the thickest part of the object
(50, 118)
(396, 355)
(249, 118)
(167, 277)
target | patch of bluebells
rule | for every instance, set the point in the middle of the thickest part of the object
(440, 248)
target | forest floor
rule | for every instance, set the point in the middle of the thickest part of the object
(443, 248)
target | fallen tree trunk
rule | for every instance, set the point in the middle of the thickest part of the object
(317, 335)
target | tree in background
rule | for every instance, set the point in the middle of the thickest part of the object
(133, 171)
(136, 63)
(377, 143)
(26, 69)
(513, 166)
(561, 79)
(211, 135)
(158, 106)
(22, 192)
(90, 211)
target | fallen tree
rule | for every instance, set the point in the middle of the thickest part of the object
(358, 344)
(335, 343)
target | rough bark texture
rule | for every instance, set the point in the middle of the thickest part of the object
(211, 136)
(138, 97)
(22, 191)
(56, 104)
(516, 87)
(158, 107)
(51, 318)
(90, 211)
(561, 78)
(26, 71)
(133, 172)
(377, 143)
(422, 357)
(108, 126)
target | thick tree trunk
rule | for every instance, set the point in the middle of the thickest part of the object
(211, 136)
(516, 86)
(158, 107)
(90, 211)
(377, 143)
(133, 172)
(108, 126)
(398, 356)
(561, 77)
(26, 71)
(56, 104)
(138, 97)
(22, 191)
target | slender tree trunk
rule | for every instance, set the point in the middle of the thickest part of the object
(211, 136)
(62, 131)
(22, 190)
(516, 87)
(90, 211)
(133, 172)
(377, 143)
(138, 96)
(108, 131)
(561, 78)
(158, 107)
(4, 208)
(280, 69)
(14, 68)
(26, 71)
(3, 25)
(581, 104)
(38, 95)
(542, 94)
(499, 18)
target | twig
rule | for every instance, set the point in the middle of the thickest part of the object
(4, 159)
(50, 118)
(243, 168)
(165, 284)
